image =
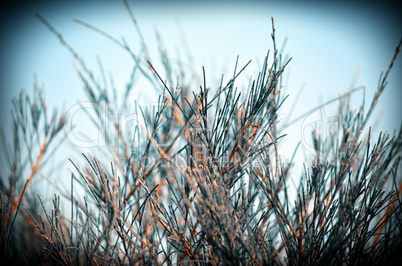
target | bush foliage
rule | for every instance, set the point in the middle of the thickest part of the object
(202, 184)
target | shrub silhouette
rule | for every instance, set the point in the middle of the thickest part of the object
(203, 184)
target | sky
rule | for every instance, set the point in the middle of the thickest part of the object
(328, 41)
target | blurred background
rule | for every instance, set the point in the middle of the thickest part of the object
(334, 45)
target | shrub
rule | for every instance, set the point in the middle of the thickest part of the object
(203, 184)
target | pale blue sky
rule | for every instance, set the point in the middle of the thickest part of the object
(327, 42)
